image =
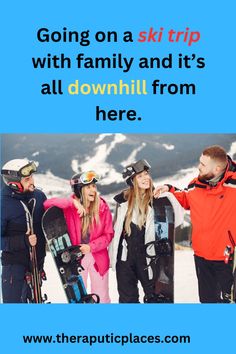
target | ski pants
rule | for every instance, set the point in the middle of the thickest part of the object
(99, 283)
(128, 273)
(14, 287)
(215, 280)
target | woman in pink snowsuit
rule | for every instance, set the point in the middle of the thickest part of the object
(92, 230)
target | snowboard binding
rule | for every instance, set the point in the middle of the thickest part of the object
(70, 258)
(159, 251)
(156, 299)
(159, 248)
(162, 247)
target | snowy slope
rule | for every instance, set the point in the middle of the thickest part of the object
(55, 186)
(65, 154)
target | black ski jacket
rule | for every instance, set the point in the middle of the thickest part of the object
(14, 241)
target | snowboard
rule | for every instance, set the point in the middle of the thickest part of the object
(67, 257)
(162, 260)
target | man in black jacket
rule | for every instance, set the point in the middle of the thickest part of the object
(21, 231)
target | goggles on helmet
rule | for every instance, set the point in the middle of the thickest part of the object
(28, 169)
(136, 168)
(24, 171)
(86, 178)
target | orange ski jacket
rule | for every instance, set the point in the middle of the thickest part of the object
(213, 213)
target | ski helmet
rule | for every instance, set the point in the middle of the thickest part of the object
(133, 169)
(14, 170)
(79, 180)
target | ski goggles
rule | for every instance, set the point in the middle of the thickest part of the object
(28, 169)
(138, 167)
(24, 171)
(86, 178)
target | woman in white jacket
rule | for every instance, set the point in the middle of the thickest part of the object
(134, 227)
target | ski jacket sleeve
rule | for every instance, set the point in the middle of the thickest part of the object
(3, 225)
(63, 203)
(106, 233)
(13, 227)
(180, 195)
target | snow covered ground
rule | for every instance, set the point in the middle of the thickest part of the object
(185, 280)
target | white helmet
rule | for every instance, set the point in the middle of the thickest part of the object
(14, 170)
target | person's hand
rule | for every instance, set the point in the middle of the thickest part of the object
(84, 248)
(80, 209)
(32, 240)
(159, 190)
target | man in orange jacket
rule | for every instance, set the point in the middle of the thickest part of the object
(211, 199)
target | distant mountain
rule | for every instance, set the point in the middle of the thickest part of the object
(65, 154)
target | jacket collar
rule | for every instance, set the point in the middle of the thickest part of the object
(119, 198)
(7, 191)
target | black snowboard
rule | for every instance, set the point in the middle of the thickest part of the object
(163, 260)
(67, 257)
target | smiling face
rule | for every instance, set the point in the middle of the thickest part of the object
(28, 183)
(89, 192)
(143, 180)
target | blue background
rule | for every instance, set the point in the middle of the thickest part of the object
(210, 110)
(210, 327)
(23, 109)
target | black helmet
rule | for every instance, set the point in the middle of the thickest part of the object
(14, 170)
(133, 169)
(79, 180)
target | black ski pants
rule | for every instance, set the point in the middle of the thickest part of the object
(128, 273)
(14, 286)
(215, 280)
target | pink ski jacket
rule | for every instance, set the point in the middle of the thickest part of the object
(100, 236)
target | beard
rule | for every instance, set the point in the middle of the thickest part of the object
(30, 188)
(206, 177)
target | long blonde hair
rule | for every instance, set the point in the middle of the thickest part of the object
(91, 219)
(140, 199)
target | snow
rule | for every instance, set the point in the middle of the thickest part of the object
(186, 289)
(168, 146)
(98, 161)
(101, 137)
(185, 281)
(36, 153)
(51, 185)
(181, 179)
(232, 150)
(132, 156)
(75, 166)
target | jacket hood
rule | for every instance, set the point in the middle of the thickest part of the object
(231, 164)
(119, 198)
